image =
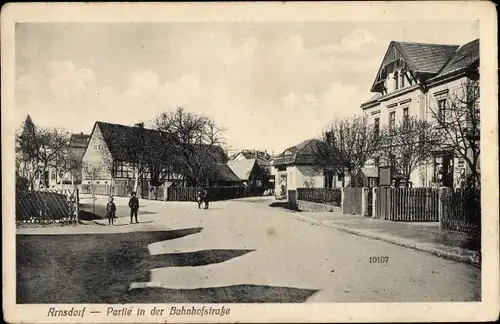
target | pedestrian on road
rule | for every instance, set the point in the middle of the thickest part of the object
(134, 207)
(199, 198)
(205, 198)
(111, 211)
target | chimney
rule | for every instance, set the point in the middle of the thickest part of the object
(81, 133)
(140, 125)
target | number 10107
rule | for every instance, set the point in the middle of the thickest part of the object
(379, 259)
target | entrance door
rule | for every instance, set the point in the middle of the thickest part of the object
(282, 185)
(448, 170)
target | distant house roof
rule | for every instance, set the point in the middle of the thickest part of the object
(123, 142)
(303, 153)
(79, 140)
(222, 172)
(242, 168)
(78, 143)
(263, 158)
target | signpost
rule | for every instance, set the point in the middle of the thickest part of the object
(385, 175)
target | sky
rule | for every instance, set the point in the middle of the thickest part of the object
(270, 84)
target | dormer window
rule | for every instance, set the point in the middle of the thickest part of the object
(403, 75)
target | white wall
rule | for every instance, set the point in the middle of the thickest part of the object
(97, 156)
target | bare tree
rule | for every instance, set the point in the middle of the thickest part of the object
(347, 145)
(458, 119)
(408, 145)
(93, 172)
(66, 161)
(196, 143)
(38, 148)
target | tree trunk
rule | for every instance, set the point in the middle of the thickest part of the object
(136, 180)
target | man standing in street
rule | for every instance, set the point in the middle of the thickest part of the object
(134, 207)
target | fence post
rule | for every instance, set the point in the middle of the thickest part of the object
(342, 195)
(77, 206)
(364, 201)
(374, 203)
(443, 198)
(292, 199)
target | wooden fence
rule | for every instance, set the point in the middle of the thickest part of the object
(414, 204)
(320, 195)
(182, 193)
(47, 206)
(116, 190)
(352, 200)
(461, 211)
(214, 193)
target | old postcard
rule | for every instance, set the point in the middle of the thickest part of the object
(250, 162)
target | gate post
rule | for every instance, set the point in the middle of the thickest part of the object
(77, 210)
(342, 197)
(374, 203)
(364, 201)
(444, 195)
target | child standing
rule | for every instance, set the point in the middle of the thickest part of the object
(111, 211)
(134, 207)
(205, 197)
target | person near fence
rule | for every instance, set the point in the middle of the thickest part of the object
(111, 211)
(205, 197)
(134, 207)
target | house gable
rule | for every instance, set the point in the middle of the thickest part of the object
(97, 153)
(394, 59)
(418, 61)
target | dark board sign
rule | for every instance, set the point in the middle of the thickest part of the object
(385, 176)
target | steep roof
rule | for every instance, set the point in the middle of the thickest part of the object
(242, 168)
(123, 142)
(222, 172)
(302, 153)
(463, 57)
(426, 58)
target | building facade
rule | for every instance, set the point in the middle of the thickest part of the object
(121, 155)
(418, 80)
(297, 167)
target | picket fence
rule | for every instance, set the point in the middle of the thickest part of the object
(320, 195)
(414, 205)
(214, 193)
(47, 206)
(462, 211)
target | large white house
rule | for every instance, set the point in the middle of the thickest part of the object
(416, 79)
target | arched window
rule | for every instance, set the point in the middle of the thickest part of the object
(53, 175)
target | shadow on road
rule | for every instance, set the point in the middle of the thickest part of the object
(98, 268)
(195, 259)
(88, 216)
(85, 268)
(281, 204)
(228, 294)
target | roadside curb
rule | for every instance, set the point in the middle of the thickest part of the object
(423, 247)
